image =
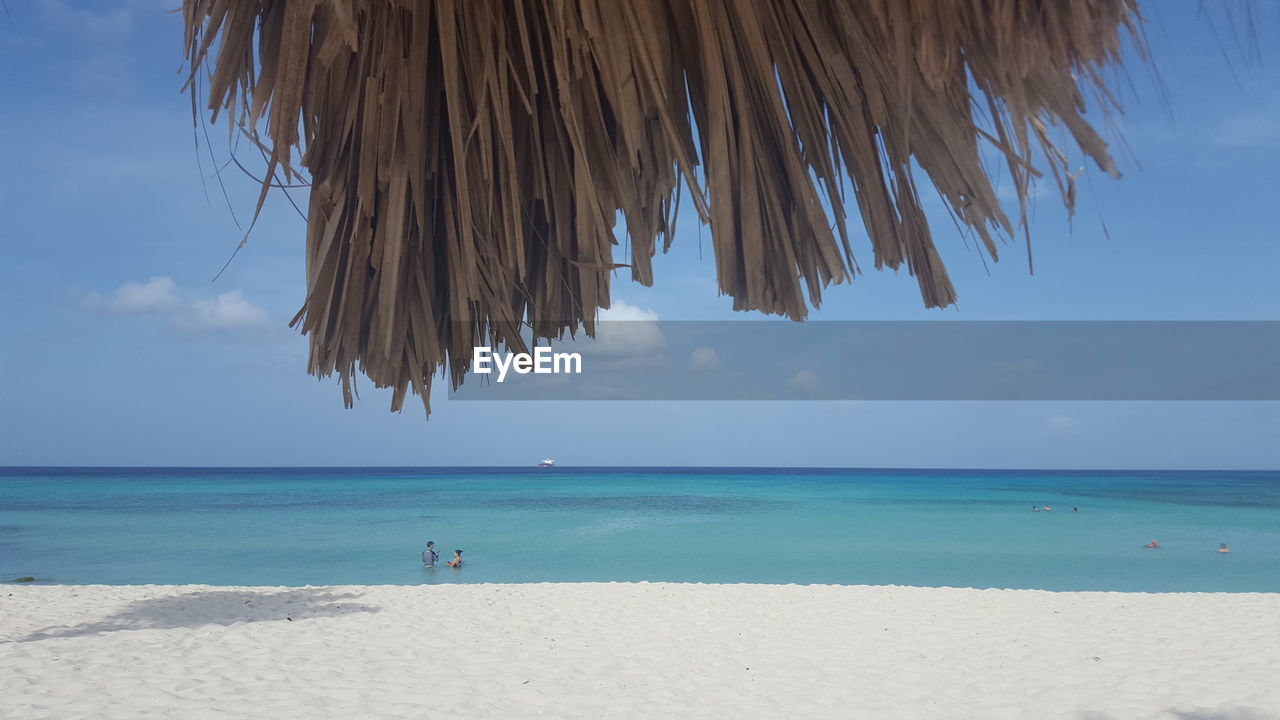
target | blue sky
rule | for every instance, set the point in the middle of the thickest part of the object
(118, 350)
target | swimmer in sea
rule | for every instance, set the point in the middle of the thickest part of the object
(1152, 544)
(1222, 547)
(456, 562)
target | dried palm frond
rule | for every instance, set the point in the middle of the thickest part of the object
(467, 159)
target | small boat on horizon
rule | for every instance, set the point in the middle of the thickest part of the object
(547, 463)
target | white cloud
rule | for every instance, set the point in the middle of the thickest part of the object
(804, 382)
(228, 311)
(101, 59)
(627, 332)
(1007, 193)
(1062, 423)
(704, 359)
(155, 295)
(623, 311)
(110, 25)
(1249, 129)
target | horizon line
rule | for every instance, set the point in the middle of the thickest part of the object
(535, 467)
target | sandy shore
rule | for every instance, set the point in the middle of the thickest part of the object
(635, 651)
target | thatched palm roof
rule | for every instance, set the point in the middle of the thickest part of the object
(467, 159)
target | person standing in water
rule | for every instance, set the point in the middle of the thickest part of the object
(456, 562)
(1222, 547)
(430, 556)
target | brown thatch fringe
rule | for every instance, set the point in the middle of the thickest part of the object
(468, 158)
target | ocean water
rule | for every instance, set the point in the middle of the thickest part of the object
(368, 526)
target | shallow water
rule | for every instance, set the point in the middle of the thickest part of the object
(918, 527)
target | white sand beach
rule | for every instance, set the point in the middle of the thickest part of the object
(638, 650)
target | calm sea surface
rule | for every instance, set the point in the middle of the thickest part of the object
(367, 526)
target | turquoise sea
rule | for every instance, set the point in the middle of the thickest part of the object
(323, 526)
